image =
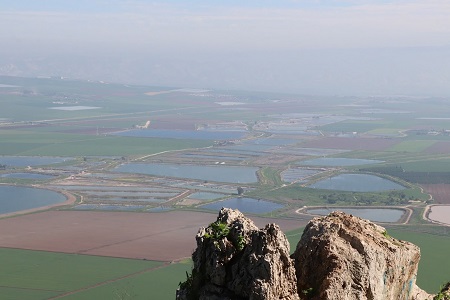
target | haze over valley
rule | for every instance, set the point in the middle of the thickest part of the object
(126, 126)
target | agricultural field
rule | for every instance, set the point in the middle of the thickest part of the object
(352, 126)
(352, 143)
(28, 274)
(434, 252)
(75, 254)
(149, 236)
(29, 143)
(413, 146)
(160, 283)
(77, 137)
(440, 192)
(72, 276)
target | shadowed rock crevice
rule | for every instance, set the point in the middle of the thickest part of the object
(236, 260)
(338, 257)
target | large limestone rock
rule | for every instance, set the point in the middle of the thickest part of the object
(236, 260)
(339, 257)
(344, 257)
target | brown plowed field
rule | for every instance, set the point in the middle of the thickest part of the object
(440, 192)
(154, 236)
(374, 144)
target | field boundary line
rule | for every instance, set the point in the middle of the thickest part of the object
(30, 289)
(165, 264)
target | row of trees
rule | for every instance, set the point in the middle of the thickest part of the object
(393, 198)
(410, 176)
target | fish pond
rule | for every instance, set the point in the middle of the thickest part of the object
(213, 157)
(74, 108)
(338, 162)
(312, 151)
(89, 188)
(205, 196)
(128, 194)
(218, 173)
(27, 176)
(357, 183)
(124, 200)
(107, 207)
(297, 174)
(273, 141)
(245, 205)
(230, 151)
(388, 215)
(295, 132)
(17, 198)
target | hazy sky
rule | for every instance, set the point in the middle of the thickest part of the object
(318, 47)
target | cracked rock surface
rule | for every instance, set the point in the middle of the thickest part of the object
(245, 263)
(339, 256)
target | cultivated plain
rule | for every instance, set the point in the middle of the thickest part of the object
(144, 167)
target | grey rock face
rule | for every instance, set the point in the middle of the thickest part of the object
(344, 257)
(236, 260)
(339, 257)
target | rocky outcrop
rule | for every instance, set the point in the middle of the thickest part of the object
(236, 260)
(344, 257)
(338, 257)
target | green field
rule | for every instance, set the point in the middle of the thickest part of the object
(28, 127)
(355, 126)
(30, 275)
(293, 237)
(26, 143)
(35, 97)
(41, 274)
(434, 264)
(385, 131)
(156, 284)
(413, 146)
(395, 157)
(430, 165)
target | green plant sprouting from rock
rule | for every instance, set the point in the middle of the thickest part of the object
(441, 296)
(219, 230)
(444, 293)
(240, 243)
(188, 284)
(309, 292)
(216, 231)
